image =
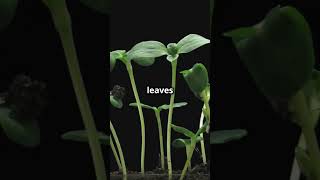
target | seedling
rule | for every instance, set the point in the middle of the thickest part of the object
(157, 111)
(279, 54)
(143, 57)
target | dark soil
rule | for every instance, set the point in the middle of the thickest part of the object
(198, 172)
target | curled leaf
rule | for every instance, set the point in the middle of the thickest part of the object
(180, 143)
(114, 56)
(196, 78)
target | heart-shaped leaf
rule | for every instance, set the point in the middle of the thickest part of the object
(82, 136)
(175, 105)
(191, 42)
(26, 133)
(224, 136)
(142, 105)
(101, 6)
(278, 52)
(146, 50)
(7, 12)
(183, 131)
(196, 78)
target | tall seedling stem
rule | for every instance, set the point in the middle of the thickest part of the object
(63, 25)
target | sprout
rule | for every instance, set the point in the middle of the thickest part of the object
(157, 111)
(190, 143)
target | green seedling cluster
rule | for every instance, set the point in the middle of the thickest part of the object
(145, 54)
(279, 54)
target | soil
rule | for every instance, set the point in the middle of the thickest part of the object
(198, 172)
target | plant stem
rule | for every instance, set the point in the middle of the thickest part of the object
(116, 139)
(157, 113)
(115, 153)
(295, 170)
(189, 156)
(303, 117)
(136, 95)
(203, 149)
(187, 153)
(63, 25)
(173, 85)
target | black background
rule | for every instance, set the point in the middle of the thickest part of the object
(165, 21)
(267, 152)
(30, 45)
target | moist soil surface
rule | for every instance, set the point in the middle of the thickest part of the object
(198, 172)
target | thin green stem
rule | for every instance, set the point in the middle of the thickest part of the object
(188, 161)
(173, 85)
(136, 95)
(115, 153)
(203, 149)
(303, 117)
(188, 153)
(116, 139)
(157, 113)
(63, 25)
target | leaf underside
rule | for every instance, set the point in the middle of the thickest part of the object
(225, 136)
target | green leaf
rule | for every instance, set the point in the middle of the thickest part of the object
(181, 143)
(196, 78)
(82, 136)
(117, 103)
(101, 6)
(224, 136)
(7, 12)
(175, 105)
(145, 61)
(26, 133)
(172, 58)
(147, 50)
(190, 43)
(142, 105)
(183, 130)
(278, 52)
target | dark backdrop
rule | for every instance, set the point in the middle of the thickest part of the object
(166, 21)
(267, 152)
(30, 45)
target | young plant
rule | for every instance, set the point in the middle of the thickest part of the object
(157, 111)
(279, 54)
(185, 45)
(198, 81)
(193, 138)
(144, 55)
(185, 143)
(116, 96)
